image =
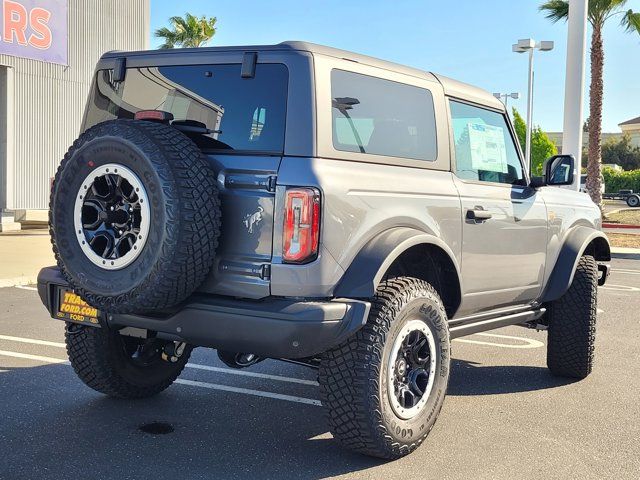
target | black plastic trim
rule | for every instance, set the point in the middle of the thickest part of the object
(271, 327)
(483, 325)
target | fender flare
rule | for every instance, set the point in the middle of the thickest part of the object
(369, 266)
(576, 243)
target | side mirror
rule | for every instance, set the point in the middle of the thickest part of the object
(558, 170)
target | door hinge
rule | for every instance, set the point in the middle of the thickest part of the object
(271, 186)
(265, 273)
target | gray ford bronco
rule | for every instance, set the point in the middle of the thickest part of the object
(308, 204)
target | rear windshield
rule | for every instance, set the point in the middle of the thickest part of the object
(245, 114)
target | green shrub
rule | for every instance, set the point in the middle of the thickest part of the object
(615, 181)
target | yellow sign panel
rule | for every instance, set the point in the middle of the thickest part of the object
(72, 307)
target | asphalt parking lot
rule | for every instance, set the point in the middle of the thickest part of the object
(505, 416)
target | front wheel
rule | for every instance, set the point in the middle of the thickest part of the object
(384, 387)
(121, 366)
(572, 324)
(633, 200)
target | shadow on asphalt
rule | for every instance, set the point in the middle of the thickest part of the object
(471, 378)
(52, 426)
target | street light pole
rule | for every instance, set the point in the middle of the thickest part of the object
(529, 108)
(574, 85)
(506, 96)
(529, 45)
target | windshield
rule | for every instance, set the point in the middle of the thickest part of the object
(244, 114)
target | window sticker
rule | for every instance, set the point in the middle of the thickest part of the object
(488, 149)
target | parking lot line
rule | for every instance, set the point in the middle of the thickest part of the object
(196, 366)
(28, 356)
(626, 271)
(253, 374)
(619, 288)
(193, 383)
(247, 391)
(32, 341)
(528, 342)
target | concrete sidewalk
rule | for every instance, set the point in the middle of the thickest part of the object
(22, 255)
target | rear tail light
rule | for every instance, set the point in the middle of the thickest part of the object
(301, 225)
(154, 116)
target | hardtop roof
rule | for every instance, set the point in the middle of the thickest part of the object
(451, 87)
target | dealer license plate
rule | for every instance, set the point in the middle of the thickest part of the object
(72, 308)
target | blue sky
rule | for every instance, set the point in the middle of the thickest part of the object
(469, 40)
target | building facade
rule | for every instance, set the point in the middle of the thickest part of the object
(48, 50)
(629, 127)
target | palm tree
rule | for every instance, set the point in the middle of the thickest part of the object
(187, 32)
(598, 13)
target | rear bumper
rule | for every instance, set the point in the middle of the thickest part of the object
(270, 327)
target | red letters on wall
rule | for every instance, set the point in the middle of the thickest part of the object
(17, 22)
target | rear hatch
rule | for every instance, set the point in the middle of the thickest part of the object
(245, 116)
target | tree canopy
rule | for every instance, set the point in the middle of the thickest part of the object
(187, 32)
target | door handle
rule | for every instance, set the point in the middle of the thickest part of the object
(478, 214)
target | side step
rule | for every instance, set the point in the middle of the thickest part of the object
(468, 327)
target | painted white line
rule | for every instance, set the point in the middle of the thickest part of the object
(528, 342)
(24, 287)
(32, 341)
(253, 374)
(247, 391)
(195, 366)
(211, 386)
(620, 288)
(38, 358)
(626, 271)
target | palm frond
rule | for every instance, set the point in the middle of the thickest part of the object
(631, 21)
(555, 10)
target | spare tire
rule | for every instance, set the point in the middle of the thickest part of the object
(134, 216)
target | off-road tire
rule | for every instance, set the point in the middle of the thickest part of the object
(98, 358)
(572, 324)
(184, 223)
(353, 376)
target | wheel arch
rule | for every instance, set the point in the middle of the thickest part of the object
(404, 251)
(581, 240)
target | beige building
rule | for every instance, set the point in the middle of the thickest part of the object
(48, 52)
(630, 127)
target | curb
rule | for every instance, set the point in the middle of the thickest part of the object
(619, 225)
(18, 281)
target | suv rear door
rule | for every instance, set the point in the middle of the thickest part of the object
(245, 115)
(504, 228)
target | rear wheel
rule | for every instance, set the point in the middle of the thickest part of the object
(384, 387)
(633, 200)
(121, 366)
(572, 324)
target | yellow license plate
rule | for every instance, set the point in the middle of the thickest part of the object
(71, 307)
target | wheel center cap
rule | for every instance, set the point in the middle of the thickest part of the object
(103, 216)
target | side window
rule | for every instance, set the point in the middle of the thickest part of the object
(484, 147)
(381, 117)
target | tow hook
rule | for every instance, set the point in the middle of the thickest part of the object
(172, 351)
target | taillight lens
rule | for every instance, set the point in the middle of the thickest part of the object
(301, 225)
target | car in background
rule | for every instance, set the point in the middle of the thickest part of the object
(583, 184)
